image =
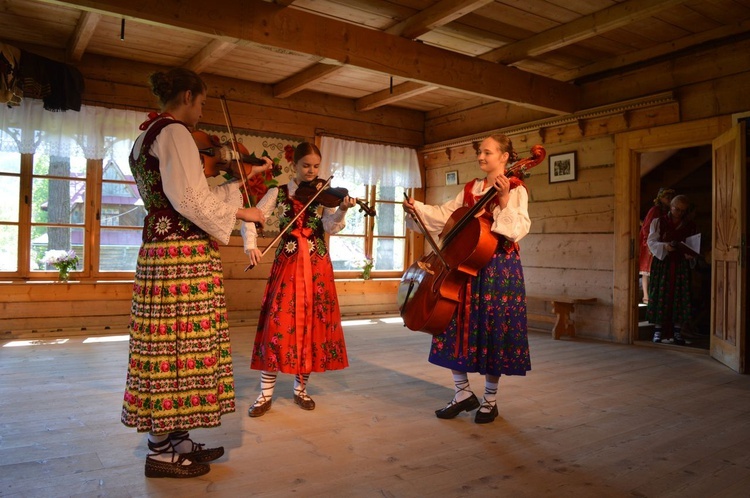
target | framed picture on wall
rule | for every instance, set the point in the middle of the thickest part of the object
(562, 167)
(451, 178)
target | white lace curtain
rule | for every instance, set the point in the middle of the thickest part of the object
(91, 133)
(369, 164)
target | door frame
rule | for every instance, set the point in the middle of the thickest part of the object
(628, 149)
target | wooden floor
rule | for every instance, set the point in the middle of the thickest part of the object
(590, 420)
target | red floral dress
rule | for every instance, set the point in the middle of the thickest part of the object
(299, 329)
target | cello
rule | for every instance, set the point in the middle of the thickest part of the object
(430, 289)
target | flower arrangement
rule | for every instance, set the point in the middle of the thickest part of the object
(367, 265)
(64, 261)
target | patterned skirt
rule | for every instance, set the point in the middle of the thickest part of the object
(488, 333)
(669, 292)
(299, 328)
(180, 373)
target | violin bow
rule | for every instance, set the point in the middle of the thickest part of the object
(236, 152)
(291, 223)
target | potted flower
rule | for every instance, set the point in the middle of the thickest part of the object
(64, 261)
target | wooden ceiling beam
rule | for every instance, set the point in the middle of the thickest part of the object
(304, 79)
(618, 15)
(653, 52)
(209, 55)
(337, 42)
(413, 27)
(436, 15)
(389, 96)
(82, 35)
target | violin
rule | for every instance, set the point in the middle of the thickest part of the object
(328, 196)
(217, 157)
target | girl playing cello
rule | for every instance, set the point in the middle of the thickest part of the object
(487, 334)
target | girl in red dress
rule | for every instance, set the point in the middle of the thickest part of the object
(299, 329)
(660, 207)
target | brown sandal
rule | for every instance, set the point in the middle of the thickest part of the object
(174, 468)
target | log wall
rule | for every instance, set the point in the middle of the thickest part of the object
(571, 248)
(40, 309)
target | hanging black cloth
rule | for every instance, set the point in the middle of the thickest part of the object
(59, 85)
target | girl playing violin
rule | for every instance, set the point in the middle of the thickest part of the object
(299, 329)
(180, 367)
(487, 333)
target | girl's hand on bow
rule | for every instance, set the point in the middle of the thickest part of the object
(409, 206)
(254, 256)
(502, 185)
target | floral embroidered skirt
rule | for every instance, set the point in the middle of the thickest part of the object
(299, 329)
(180, 373)
(488, 333)
(669, 292)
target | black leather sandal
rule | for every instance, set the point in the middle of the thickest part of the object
(453, 409)
(175, 468)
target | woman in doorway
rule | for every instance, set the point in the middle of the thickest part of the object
(487, 334)
(299, 329)
(180, 366)
(660, 207)
(669, 285)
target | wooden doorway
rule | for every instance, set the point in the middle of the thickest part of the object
(688, 171)
(628, 150)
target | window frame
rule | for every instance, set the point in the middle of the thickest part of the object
(369, 239)
(91, 226)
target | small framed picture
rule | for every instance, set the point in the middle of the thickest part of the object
(562, 167)
(451, 178)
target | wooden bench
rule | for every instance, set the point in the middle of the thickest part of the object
(562, 306)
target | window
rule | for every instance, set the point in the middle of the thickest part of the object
(10, 181)
(59, 190)
(58, 208)
(122, 216)
(381, 238)
(380, 175)
(67, 185)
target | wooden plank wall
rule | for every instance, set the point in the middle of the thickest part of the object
(568, 250)
(39, 309)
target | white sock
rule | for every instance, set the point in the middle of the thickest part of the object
(490, 396)
(161, 449)
(183, 446)
(267, 385)
(463, 389)
(300, 384)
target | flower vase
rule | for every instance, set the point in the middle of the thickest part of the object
(366, 269)
(63, 273)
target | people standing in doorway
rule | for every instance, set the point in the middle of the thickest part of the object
(660, 207)
(299, 329)
(180, 366)
(487, 334)
(669, 285)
